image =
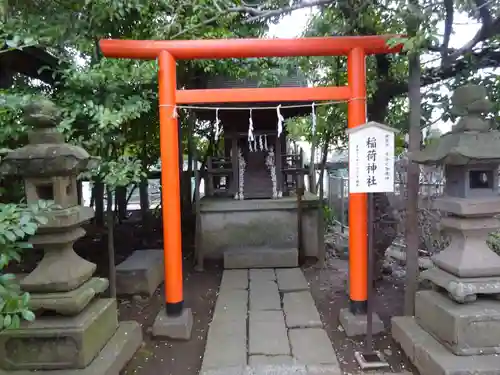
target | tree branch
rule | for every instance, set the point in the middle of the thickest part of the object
(484, 12)
(258, 14)
(486, 58)
(448, 27)
(488, 29)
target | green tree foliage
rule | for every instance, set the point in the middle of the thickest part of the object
(444, 68)
(109, 106)
(17, 223)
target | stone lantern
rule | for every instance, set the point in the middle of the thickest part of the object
(470, 154)
(457, 332)
(72, 327)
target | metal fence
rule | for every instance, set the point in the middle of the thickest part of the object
(337, 195)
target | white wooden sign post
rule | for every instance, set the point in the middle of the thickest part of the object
(371, 170)
(371, 158)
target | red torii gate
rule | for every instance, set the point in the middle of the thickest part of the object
(168, 52)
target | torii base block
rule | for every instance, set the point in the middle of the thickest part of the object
(174, 327)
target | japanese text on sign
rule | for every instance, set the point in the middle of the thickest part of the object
(371, 159)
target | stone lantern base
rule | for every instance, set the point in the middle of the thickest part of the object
(428, 350)
(92, 342)
(112, 358)
(462, 290)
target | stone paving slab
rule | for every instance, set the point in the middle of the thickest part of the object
(232, 301)
(286, 370)
(261, 283)
(249, 324)
(276, 370)
(325, 370)
(228, 330)
(312, 346)
(230, 370)
(262, 274)
(267, 360)
(267, 333)
(224, 327)
(291, 280)
(226, 345)
(234, 279)
(300, 310)
(259, 370)
(264, 295)
(234, 354)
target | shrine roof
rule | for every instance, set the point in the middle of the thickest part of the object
(259, 116)
(28, 61)
(296, 79)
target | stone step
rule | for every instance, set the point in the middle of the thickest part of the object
(432, 358)
(257, 178)
(258, 184)
(261, 257)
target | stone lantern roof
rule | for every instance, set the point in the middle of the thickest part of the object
(46, 154)
(460, 145)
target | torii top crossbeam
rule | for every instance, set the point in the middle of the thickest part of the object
(246, 48)
(356, 48)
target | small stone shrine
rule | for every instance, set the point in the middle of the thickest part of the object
(456, 327)
(75, 331)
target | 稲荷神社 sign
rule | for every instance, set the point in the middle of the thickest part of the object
(371, 158)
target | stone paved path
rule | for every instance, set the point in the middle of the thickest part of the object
(266, 323)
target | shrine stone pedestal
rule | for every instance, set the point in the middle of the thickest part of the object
(141, 273)
(456, 327)
(75, 331)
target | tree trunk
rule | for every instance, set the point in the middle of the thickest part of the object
(412, 181)
(121, 202)
(144, 184)
(204, 160)
(324, 158)
(190, 124)
(110, 221)
(98, 195)
(79, 192)
(144, 200)
(312, 169)
(182, 179)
